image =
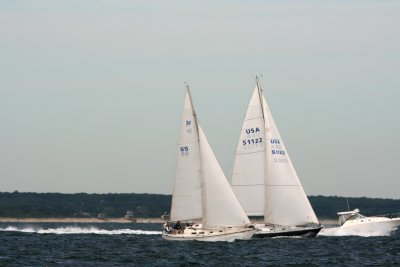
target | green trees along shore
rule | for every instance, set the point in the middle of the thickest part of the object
(45, 205)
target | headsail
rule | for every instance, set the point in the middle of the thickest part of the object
(221, 205)
(286, 203)
(186, 197)
(248, 178)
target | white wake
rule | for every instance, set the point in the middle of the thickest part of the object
(78, 230)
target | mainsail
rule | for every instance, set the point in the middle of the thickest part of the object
(248, 180)
(186, 196)
(264, 179)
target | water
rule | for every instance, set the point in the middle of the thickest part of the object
(109, 244)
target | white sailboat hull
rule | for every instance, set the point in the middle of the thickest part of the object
(369, 226)
(229, 234)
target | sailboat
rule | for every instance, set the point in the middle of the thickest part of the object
(264, 179)
(204, 206)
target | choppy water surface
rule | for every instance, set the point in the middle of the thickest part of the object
(107, 244)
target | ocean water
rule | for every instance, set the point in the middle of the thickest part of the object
(115, 244)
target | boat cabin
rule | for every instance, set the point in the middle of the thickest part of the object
(349, 215)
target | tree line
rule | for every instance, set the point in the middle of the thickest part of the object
(42, 205)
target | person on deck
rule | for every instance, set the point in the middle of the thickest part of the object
(178, 227)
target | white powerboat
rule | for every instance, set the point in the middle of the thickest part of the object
(354, 223)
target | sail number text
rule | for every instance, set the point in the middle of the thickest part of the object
(184, 148)
(252, 141)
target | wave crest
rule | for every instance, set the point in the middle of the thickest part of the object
(78, 230)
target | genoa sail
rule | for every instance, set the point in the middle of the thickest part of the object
(286, 203)
(221, 205)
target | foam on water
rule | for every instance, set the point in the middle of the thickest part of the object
(78, 230)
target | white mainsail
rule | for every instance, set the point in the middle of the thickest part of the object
(201, 190)
(186, 196)
(248, 180)
(267, 165)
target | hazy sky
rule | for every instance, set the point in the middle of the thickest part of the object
(91, 92)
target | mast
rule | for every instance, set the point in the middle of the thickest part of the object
(260, 96)
(202, 187)
(267, 165)
(191, 103)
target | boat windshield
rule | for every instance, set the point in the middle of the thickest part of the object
(348, 217)
(356, 217)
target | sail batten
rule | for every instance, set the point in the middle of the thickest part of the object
(249, 184)
(250, 119)
(244, 153)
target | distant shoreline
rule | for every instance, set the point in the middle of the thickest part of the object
(106, 220)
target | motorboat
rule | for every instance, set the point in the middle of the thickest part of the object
(354, 223)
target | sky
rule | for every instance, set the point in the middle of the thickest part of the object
(91, 92)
